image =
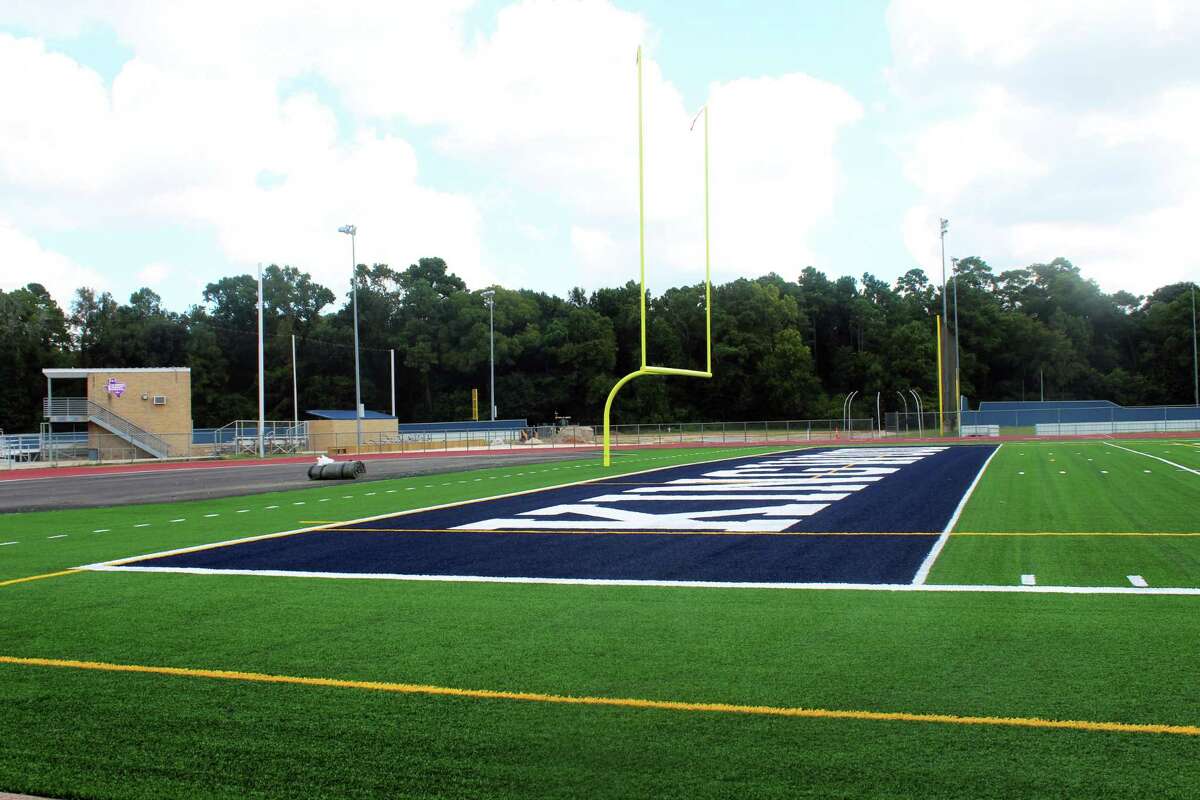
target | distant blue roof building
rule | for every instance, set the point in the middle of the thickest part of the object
(467, 425)
(337, 413)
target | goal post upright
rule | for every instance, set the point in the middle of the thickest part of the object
(644, 368)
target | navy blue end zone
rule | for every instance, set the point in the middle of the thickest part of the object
(878, 529)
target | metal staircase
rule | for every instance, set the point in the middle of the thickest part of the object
(81, 409)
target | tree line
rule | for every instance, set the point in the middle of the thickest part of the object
(783, 348)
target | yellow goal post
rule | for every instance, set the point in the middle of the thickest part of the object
(646, 369)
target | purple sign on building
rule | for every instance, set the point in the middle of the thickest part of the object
(114, 387)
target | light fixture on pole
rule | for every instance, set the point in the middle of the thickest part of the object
(352, 231)
(490, 296)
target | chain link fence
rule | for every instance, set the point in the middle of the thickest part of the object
(240, 440)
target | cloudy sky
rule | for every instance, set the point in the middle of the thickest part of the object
(168, 144)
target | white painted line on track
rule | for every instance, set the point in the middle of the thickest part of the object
(926, 565)
(1137, 580)
(1029, 580)
(58, 536)
(1156, 458)
(867, 587)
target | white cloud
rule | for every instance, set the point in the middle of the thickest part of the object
(542, 106)
(154, 274)
(23, 260)
(1048, 129)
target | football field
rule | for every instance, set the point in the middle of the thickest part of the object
(929, 621)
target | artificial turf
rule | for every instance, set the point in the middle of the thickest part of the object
(70, 733)
(119, 735)
(85, 536)
(1084, 489)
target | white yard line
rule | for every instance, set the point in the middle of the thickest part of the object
(1156, 458)
(6, 544)
(59, 536)
(865, 587)
(926, 565)
(1029, 580)
(1137, 580)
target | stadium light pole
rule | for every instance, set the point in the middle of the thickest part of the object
(1195, 361)
(295, 392)
(261, 396)
(490, 295)
(957, 371)
(352, 230)
(945, 226)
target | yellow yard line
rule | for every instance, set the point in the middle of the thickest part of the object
(39, 577)
(619, 702)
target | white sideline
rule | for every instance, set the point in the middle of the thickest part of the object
(868, 587)
(1156, 458)
(926, 565)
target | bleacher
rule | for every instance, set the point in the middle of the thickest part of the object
(1077, 417)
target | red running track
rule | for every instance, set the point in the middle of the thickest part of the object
(113, 469)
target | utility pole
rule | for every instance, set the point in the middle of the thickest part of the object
(1195, 361)
(261, 397)
(490, 294)
(943, 226)
(295, 393)
(957, 372)
(1042, 382)
(352, 230)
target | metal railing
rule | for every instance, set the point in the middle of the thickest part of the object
(66, 406)
(83, 407)
(1052, 422)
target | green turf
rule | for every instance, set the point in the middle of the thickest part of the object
(69, 733)
(1093, 657)
(1083, 488)
(141, 529)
